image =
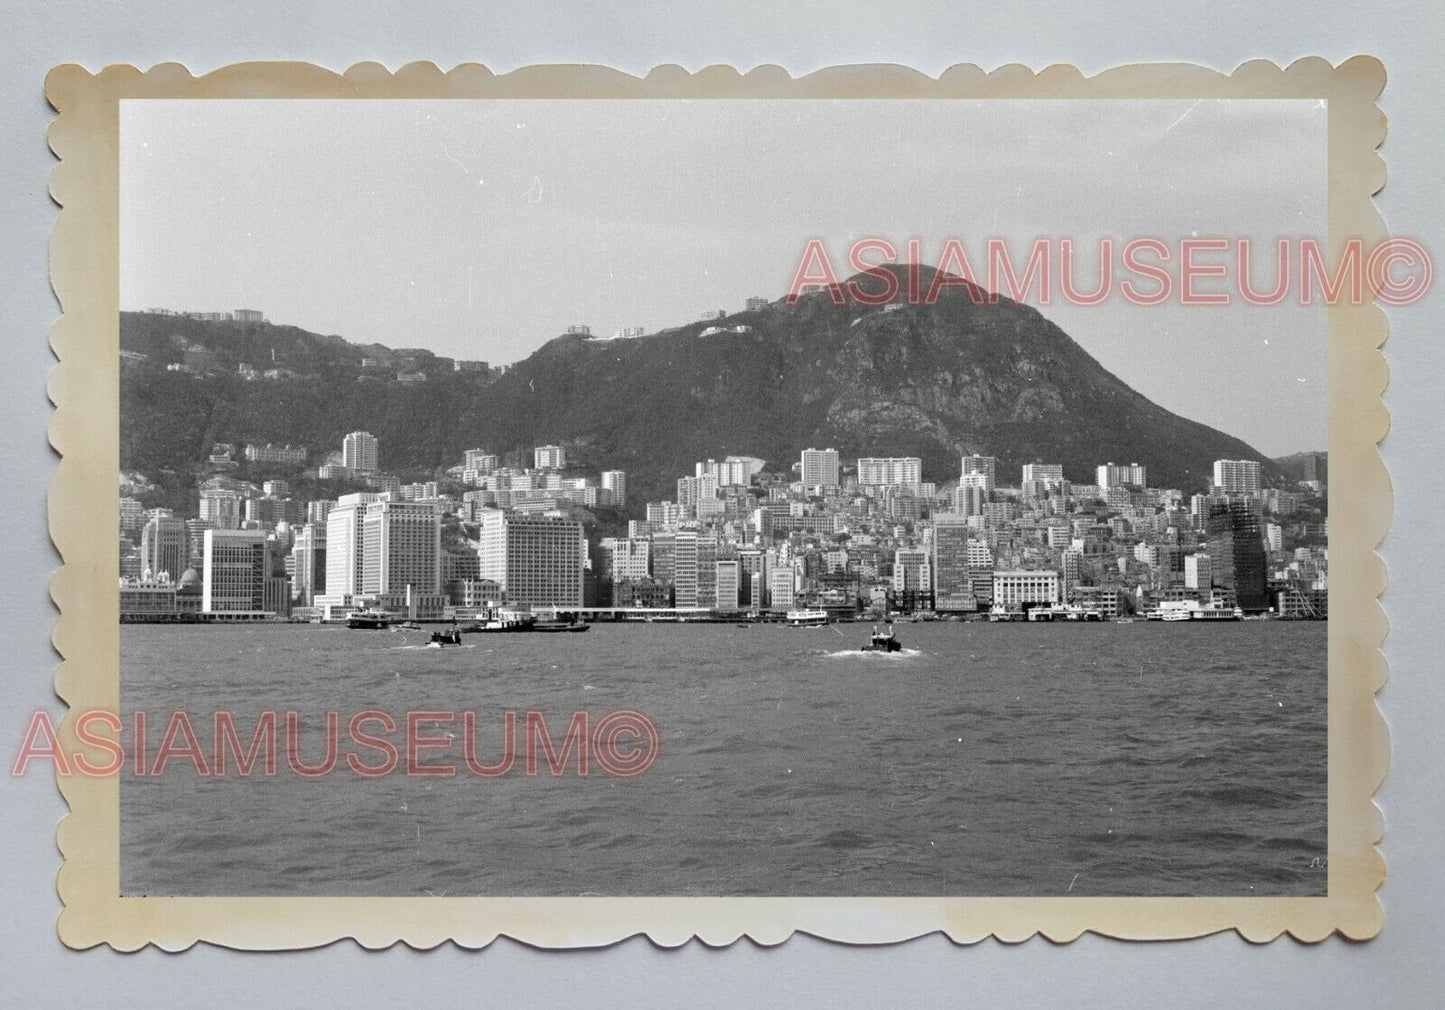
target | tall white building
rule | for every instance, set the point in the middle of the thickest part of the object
(344, 548)
(1236, 476)
(537, 560)
(819, 467)
(1052, 473)
(401, 545)
(984, 466)
(360, 452)
(616, 482)
(1118, 475)
(890, 471)
(549, 457)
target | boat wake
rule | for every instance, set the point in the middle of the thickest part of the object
(429, 646)
(855, 653)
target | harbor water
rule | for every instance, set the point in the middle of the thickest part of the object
(984, 759)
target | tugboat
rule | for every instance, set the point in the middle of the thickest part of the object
(883, 641)
(440, 639)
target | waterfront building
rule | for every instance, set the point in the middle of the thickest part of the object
(235, 567)
(819, 467)
(308, 571)
(537, 560)
(165, 547)
(912, 578)
(728, 585)
(1236, 553)
(401, 549)
(952, 587)
(1014, 590)
(1197, 572)
(344, 544)
(782, 588)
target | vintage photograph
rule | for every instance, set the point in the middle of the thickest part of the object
(808, 497)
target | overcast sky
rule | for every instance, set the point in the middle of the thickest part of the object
(482, 229)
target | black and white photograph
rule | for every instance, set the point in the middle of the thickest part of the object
(723, 498)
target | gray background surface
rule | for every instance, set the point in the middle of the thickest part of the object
(1400, 968)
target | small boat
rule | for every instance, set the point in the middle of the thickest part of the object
(742, 624)
(1123, 620)
(807, 618)
(368, 619)
(406, 626)
(559, 625)
(883, 641)
(440, 639)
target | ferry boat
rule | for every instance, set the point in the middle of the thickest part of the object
(807, 618)
(368, 619)
(559, 624)
(883, 641)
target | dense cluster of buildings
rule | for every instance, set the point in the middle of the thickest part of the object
(736, 537)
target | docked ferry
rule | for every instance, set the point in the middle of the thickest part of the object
(813, 618)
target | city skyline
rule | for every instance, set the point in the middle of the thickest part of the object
(470, 270)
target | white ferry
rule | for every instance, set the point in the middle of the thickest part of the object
(807, 618)
(1192, 610)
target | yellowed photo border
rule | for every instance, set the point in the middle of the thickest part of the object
(84, 386)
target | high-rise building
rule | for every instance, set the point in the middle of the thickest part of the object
(616, 482)
(1197, 574)
(234, 568)
(308, 570)
(952, 587)
(549, 457)
(782, 587)
(1236, 476)
(912, 577)
(221, 508)
(401, 549)
(1051, 473)
(360, 452)
(1236, 553)
(684, 569)
(344, 547)
(537, 560)
(986, 466)
(165, 547)
(880, 471)
(728, 585)
(819, 467)
(1121, 475)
